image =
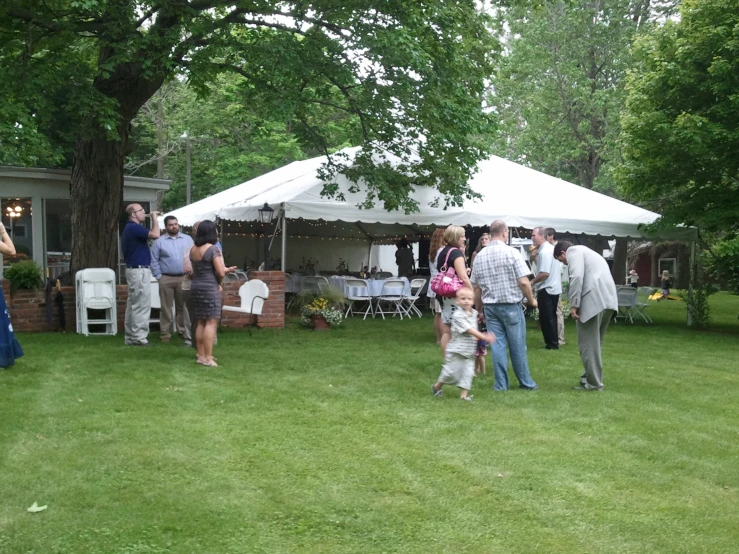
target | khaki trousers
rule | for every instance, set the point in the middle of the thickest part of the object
(171, 293)
(138, 305)
(190, 323)
(590, 340)
(560, 323)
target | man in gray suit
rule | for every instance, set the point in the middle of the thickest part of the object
(593, 302)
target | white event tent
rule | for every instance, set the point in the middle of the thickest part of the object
(520, 196)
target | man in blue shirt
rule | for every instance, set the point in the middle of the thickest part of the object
(135, 248)
(167, 266)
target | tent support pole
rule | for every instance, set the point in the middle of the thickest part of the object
(274, 232)
(284, 240)
(369, 254)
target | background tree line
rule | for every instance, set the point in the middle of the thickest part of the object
(633, 98)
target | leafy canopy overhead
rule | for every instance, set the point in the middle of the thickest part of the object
(681, 124)
(412, 72)
(558, 87)
(230, 141)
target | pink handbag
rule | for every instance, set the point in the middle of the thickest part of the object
(446, 283)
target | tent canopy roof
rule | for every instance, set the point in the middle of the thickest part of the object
(520, 196)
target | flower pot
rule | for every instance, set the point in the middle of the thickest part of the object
(319, 323)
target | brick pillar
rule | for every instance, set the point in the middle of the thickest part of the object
(273, 313)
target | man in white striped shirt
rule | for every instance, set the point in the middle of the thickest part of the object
(500, 277)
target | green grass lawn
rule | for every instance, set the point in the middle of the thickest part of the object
(332, 442)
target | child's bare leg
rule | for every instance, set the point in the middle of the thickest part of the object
(464, 393)
(437, 386)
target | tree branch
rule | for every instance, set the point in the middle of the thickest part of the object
(28, 16)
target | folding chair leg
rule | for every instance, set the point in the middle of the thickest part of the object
(398, 309)
(368, 310)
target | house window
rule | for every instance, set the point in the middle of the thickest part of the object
(58, 236)
(58, 226)
(17, 217)
(670, 264)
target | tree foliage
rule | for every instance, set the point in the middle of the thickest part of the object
(411, 71)
(559, 87)
(231, 141)
(721, 261)
(681, 123)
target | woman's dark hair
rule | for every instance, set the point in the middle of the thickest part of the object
(206, 233)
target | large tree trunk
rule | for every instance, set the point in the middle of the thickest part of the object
(96, 191)
(96, 188)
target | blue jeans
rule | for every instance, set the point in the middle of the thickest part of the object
(508, 324)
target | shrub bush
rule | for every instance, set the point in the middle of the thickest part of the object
(24, 275)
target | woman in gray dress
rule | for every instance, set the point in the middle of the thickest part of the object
(208, 271)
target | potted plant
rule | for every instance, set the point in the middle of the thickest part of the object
(322, 313)
(24, 275)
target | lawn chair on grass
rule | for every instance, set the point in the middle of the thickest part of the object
(253, 295)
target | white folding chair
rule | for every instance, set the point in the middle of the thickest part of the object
(96, 291)
(383, 275)
(357, 290)
(627, 299)
(391, 295)
(410, 300)
(253, 295)
(643, 294)
(293, 294)
(316, 284)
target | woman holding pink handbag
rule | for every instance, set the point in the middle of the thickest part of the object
(452, 255)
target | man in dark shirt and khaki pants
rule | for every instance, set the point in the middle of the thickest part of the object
(135, 248)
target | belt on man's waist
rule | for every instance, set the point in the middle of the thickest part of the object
(173, 274)
(137, 267)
